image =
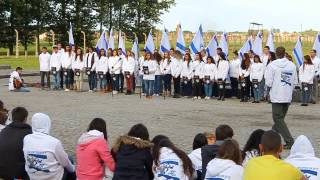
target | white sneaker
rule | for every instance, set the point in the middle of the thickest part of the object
(90, 91)
(115, 92)
(195, 97)
(67, 90)
(143, 94)
(199, 97)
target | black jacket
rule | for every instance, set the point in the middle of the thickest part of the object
(133, 159)
(208, 152)
(11, 150)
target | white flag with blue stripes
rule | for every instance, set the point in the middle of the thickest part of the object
(257, 45)
(165, 42)
(224, 45)
(316, 44)
(246, 47)
(298, 51)
(197, 43)
(270, 41)
(212, 46)
(122, 44)
(149, 46)
(135, 48)
(111, 40)
(181, 45)
(102, 42)
(71, 40)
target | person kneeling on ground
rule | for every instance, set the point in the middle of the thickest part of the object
(269, 165)
(45, 156)
(93, 153)
(16, 82)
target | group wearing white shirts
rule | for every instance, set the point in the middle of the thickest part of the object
(44, 62)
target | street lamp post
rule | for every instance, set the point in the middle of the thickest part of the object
(84, 40)
(53, 37)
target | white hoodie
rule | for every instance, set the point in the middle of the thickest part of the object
(281, 76)
(196, 159)
(306, 73)
(222, 69)
(44, 154)
(303, 157)
(170, 166)
(224, 169)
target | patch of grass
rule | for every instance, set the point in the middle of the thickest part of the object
(29, 63)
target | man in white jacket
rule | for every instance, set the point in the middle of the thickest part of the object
(44, 154)
(316, 63)
(44, 61)
(281, 77)
(303, 157)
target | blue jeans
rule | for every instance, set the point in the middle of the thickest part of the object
(102, 82)
(115, 82)
(208, 89)
(167, 82)
(158, 84)
(56, 78)
(22, 89)
(92, 78)
(148, 85)
(142, 83)
(256, 91)
(306, 93)
(68, 78)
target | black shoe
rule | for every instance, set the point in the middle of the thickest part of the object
(254, 102)
(304, 104)
(219, 98)
(242, 100)
(257, 101)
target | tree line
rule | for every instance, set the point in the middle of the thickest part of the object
(34, 17)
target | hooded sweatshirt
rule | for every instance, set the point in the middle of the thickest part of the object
(281, 76)
(224, 169)
(92, 154)
(170, 166)
(196, 159)
(44, 154)
(303, 157)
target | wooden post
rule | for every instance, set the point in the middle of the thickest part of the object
(36, 50)
(53, 37)
(17, 43)
(8, 52)
(145, 38)
(84, 40)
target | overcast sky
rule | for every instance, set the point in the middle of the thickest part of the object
(235, 15)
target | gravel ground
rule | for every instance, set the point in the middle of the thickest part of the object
(180, 119)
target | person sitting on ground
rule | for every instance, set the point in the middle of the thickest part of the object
(3, 120)
(16, 82)
(251, 149)
(93, 152)
(269, 165)
(303, 157)
(209, 152)
(132, 154)
(166, 154)
(227, 164)
(199, 141)
(11, 143)
(45, 156)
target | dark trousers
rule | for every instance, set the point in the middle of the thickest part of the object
(109, 80)
(279, 112)
(197, 88)
(221, 89)
(129, 81)
(186, 88)
(167, 82)
(44, 74)
(245, 89)
(92, 79)
(67, 77)
(61, 79)
(121, 81)
(71, 77)
(234, 86)
(306, 93)
(176, 85)
(115, 82)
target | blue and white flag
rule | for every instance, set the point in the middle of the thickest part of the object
(111, 40)
(298, 51)
(257, 45)
(246, 47)
(71, 40)
(181, 45)
(122, 44)
(135, 48)
(212, 46)
(197, 43)
(149, 46)
(270, 42)
(102, 42)
(316, 44)
(165, 42)
(224, 45)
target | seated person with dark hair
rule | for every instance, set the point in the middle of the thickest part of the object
(12, 163)
(269, 165)
(16, 82)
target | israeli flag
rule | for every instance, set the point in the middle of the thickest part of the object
(149, 46)
(111, 40)
(212, 46)
(270, 41)
(257, 45)
(197, 43)
(165, 42)
(71, 40)
(246, 47)
(122, 44)
(316, 44)
(224, 45)
(181, 45)
(135, 48)
(102, 42)
(298, 51)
